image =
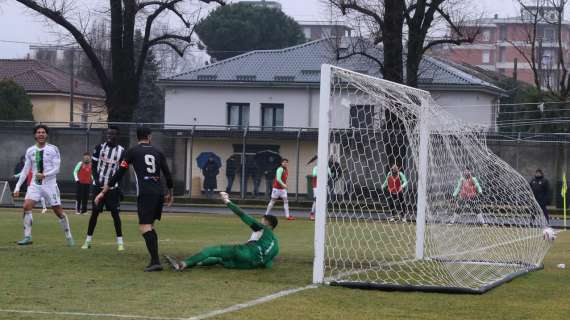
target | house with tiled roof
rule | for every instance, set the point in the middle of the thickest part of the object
(50, 91)
(272, 92)
(289, 78)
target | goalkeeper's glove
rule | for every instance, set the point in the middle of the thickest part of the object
(225, 197)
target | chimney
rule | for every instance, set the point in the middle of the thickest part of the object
(496, 16)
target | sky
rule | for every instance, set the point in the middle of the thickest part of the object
(19, 27)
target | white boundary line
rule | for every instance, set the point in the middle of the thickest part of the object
(251, 303)
(206, 315)
(87, 314)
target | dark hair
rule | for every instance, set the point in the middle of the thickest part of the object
(540, 170)
(272, 220)
(143, 133)
(86, 153)
(114, 128)
(284, 159)
(41, 126)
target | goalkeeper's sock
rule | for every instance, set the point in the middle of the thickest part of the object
(151, 240)
(28, 221)
(270, 206)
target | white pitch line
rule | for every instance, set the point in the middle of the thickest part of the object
(251, 303)
(87, 314)
(206, 315)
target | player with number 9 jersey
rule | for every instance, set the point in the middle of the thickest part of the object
(149, 163)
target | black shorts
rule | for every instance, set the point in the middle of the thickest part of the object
(149, 207)
(111, 202)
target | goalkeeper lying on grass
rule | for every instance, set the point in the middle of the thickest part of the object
(253, 254)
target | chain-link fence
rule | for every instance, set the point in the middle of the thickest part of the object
(261, 149)
(251, 178)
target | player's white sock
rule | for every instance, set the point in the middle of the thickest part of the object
(64, 222)
(119, 240)
(270, 206)
(314, 207)
(43, 203)
(286, 207)
(89, 238)
(28, 221)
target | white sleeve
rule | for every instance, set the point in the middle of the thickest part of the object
(56, 163)
(23, 173)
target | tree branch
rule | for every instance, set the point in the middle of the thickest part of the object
(57, 17)
(168, 36)
(345, 5)
(174, 47)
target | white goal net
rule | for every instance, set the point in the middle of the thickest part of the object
(414, 199)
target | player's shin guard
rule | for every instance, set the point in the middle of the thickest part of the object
(151, 240)
(64, 222)
(28, 221)
(270, 206)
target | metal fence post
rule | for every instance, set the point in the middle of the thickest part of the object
(189, 163)
(243, 161)
(298, 164)
(87, 138)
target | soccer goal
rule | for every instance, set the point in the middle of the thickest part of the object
(5, 194)
(415, 200)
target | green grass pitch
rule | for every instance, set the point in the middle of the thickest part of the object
(50, 277)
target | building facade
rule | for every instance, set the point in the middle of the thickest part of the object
(504, 45)
(271, 98)
(52, 94)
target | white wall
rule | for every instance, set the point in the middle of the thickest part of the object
(208, 105)
(472, 107)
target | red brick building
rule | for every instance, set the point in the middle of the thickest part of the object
(501, 39)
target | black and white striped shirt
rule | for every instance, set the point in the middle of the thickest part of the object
(106, 161)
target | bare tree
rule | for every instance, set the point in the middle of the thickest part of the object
(530, 49)
(121, 84)
(409, 23)
(562, 89)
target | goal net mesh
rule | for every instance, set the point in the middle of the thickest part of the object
(482, 223)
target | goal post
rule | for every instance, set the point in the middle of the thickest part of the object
(322, 174)
(424, 134)
(411, 198)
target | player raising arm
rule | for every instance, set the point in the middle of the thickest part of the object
(254, 254)
(148, 162)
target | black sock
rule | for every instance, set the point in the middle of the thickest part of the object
(151, 239)
(117, 223)
(92, 222)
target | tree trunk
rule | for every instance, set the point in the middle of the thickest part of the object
(392, 40)
(413, 59)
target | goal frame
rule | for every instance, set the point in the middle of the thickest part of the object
(421, 202)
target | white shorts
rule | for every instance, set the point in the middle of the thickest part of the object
(49, 192)
(279, 193)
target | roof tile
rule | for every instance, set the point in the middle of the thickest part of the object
(36, 77)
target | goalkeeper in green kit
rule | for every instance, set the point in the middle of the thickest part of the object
(258, 252)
